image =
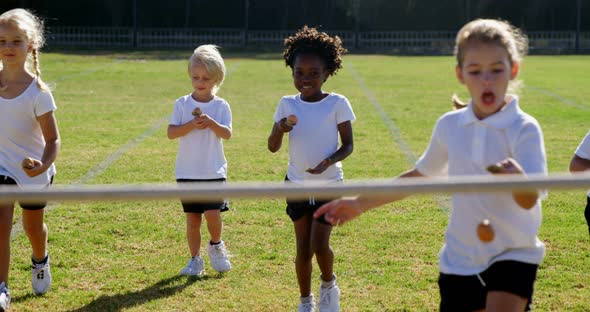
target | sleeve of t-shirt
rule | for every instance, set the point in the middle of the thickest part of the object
(344, 111)
(226, 118)
(583, 149)
(176, 118)
(281, 111)
(44, 103)
(529, 150)
(435, 160)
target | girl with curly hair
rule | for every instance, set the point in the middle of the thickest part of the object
(314, 120)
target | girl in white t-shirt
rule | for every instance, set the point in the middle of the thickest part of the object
(491, 135)
(29, 140)
(581, 162)
(315, 120)
(201, 120)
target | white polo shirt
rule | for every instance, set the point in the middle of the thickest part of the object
(461, 144)
(583, 149)
(315, 137)
(200, 152)
(21, 135)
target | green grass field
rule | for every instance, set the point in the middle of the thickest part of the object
(114, 256)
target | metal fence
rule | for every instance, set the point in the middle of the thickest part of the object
(185, 38)
(90, 37)
(411, 42)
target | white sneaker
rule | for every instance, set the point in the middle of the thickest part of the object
(306, 307)
(330, 299)
(4, 297)
(218, 257)
(194, 267)
(40, 277)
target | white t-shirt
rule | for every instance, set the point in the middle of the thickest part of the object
(461, 144)
(583, 149)
(315, 137)
(21, 135)
(200, 152)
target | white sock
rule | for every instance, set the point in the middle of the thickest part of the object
(307, 299)
(329, 284)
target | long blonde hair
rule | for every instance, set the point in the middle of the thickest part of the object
(32, 27)
(494, 31)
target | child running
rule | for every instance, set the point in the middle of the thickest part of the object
(491, 134)
(201, 120)
(581, 162)
(29, 140)
(314, 120)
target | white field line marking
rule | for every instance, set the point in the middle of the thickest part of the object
(393, 129)
(101, 167)
(442, 201)
(105, 164)
(17, 225)
(558, 97)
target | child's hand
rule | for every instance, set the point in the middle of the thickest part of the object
(506, 166)
(285, 125)
(203, 121)
(321, 167)
(340, 211)
(525, 199)
(32, 167)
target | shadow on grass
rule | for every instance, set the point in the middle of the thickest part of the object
(164, 288)
(24, 298)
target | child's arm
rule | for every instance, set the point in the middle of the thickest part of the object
(176, 131)
(345, 131)
(50, 132)
(221, 131)
(578, 164)
(340, 211)
(275, 139)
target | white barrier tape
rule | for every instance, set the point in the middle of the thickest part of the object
(213, 192)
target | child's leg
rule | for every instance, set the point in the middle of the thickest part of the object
(193, 232)
(303, 265)
(214, 224)
(36, 231)
(510, 285)
(320, 243)
(6, 215)
(216, 248)
(504, 301)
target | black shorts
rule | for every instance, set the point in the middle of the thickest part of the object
(468, 293)
(201, 207)
(6, 180)
(297, 209)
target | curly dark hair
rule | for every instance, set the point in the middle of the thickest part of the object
(310, 40)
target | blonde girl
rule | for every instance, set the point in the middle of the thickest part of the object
(491, 135)
(29, 140)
